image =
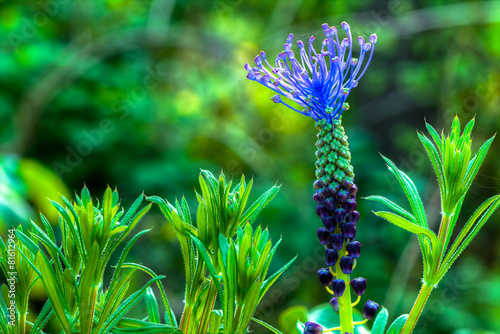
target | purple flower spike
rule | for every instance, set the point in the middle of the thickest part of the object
(335, 304)
(312, 328)
(370, 309)
(354, 249)
(315, 79)
(346, 264)
(325, 276)
(331, 257)
(348, 230)
(337, 241)
(324, 236)
(358, 286)
(338, 287)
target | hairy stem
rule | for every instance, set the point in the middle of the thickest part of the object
(417, 308)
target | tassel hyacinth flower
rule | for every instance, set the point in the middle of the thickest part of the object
(320, 82)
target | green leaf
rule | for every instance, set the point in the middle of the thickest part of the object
(410, 191)
(169, 314)
(397, 325)
(54, 292)
(88, 289)
(262, 323)
(475, 164)
(469, 231)
(409, 226)
(251, 214)
(208, 261)
(436, 163)
(435, 136)
(391, 205)
(270, 281)
(43, 318)
(126, 306)
(215, 321)
(380, 322)
(152, 306)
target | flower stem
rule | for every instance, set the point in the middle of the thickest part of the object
(417, 308)
(186, 317)
(345, 309)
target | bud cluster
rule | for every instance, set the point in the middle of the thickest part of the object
(336, 206)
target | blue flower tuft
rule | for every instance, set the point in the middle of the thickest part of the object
(319, 82)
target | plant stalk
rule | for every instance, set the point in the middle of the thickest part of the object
(186, 317)
(208, 307)
(417, 308)
(345, 309)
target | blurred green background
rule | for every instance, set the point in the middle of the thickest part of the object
(140, 95)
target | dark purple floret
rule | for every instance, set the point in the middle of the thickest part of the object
(350, 205)
(322, 195)
(347, 184)
(346, 264)
(333, 188)
(317, 199)
(324, 236)
(329, 223)
(337, 241)
(339, 215)
(322, 211)
(370, 309)
(312, 328)
(318, 184)
(334, 304)
(348, 230)
(331, 257)
(338, 287)
(342, 195)
(330, 203)
(325, 276)
(358, 286)
(354, 249)
(352, 217)
(353, 190)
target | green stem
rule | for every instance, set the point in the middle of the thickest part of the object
(22, 322)
(186, 317)
(345, 309)
(417, 308)
(208, 307)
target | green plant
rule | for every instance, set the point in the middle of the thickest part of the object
(221, 248)
(72, 269)
(455, 170)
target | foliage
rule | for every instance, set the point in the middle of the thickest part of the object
(455, 171)
(72, 272)
(213, 258)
